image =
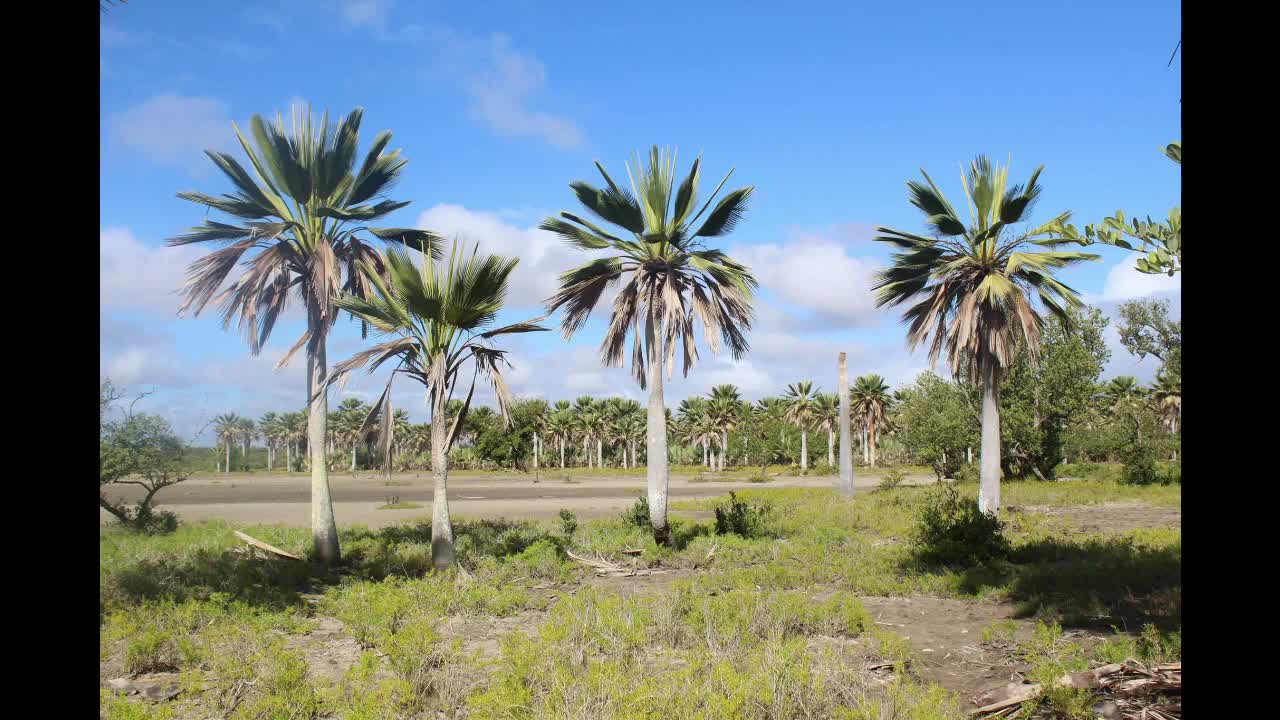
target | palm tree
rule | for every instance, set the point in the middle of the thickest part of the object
(583, 407)
(827, 415)
(268, 424)
(293, 429)
(439, 315)
(692, 411)
(870, 400)
(308, 247)
(1167, 394)
(226, 428)
(801, 409)
(1124, 397)
(247, 431)
(560, 427)
(669, 279)
(973, 285)
(726, 414)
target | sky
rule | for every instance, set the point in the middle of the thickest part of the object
(499, 106)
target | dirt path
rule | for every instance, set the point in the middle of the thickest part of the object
(1112, 516)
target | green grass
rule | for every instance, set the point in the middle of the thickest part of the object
(759, 630)
(400, 506)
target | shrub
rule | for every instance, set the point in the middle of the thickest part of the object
(740, 518)
(892, 479)
(1173, 474)
(1139, 465)
(638, 515)
(967, 474)
(569, 522)
(950, 530)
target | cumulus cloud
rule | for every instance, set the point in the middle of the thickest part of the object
(141, 277)
(173, 129)
(1124, 282)
(502, 90)
(817, 273)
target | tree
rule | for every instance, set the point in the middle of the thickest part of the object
(1145, 329)
(441, 317)
(724, 410)
(303, 210)
(669, 281)
(269, 425)
(139, 450)
(1160, 242)
(1166, 393)
(247, 431)
(827, 416)
(937, 423)
(974, 285)
(1043, 395)
(226, 428)
(870, 399)
(802, 407)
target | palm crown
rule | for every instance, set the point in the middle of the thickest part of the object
(674, 279)
(974, 281)
(302, 210)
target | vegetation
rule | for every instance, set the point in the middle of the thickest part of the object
(671, 278)
(975, 285)
(139, 450)
(302, 211)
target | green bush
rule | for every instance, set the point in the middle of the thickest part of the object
(568, 523)
(950, 530)
(967, 474)
(741, 518)
(638, 515)
(1139, 465)
(892, 479)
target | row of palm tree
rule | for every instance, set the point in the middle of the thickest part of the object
(303, 232)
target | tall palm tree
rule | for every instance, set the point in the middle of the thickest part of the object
(583, 419)
(268, 424)
(691, 412)
(827, 415)
(560, 428)
(303, 209)
(1167, 395)
(870, 401)
(294, 427)
(972, 288)
(801, 409)
(440, 317)
(725, 413)
(247, 431)
(226, 428)
(670, 281)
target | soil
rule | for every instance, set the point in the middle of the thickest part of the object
(1111, 517)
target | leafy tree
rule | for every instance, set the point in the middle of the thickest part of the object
(1043, 395)
(937, 423)
(441, 317)
(139, 450)
(303, 208)
(1145, 329)
(669, 280)
(973, 286)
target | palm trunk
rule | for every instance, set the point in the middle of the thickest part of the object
(706, 454)
(871, 436)
(804, 451)
(866, 447)
(353, 456)
(989, 489)
(228, 465)
(724, 448)
(599, 453)
(831, 447)
(441, 528)
(969, 455)
(846, 439)
(324, 531)
(633, 453)
(288, 457)
(561, 453)
(535, 451)
(657, 472)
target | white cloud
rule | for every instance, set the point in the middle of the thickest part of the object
(141, 277)
(113, 37)
(543, 256)
(174, 129)
(365, 13)
(1124, 282)
(816, 273)
(502, 90)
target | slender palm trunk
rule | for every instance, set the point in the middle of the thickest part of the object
(288, 457)
(831, 447)
(846, 439)
(804, 451)
(535, 450)
(324, 531)
(989, 489)
(561, 453)
(871, 435)
(657, 472)
(969, 455)
(353, 456)
(633, 453)
(706, 454)
(441, 528)
(584, 451)
(228, 465)
(724, 448)
(866, 447)
(599, 452)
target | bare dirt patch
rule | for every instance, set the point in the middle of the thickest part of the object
(1112, 516)
(328, 649)
(483, 634)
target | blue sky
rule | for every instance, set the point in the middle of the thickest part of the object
(498, 106)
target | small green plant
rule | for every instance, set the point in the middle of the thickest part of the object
(950, 530)
(638, 515)
(568, 523)
(891, 479)
(1139, 465)
(1000, 631)
(966, 475)
(740, 518)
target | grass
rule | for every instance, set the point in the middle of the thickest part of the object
(767, 626)
(404, 505)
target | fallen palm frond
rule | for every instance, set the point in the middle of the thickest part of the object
(1136, 692)
(604, 567)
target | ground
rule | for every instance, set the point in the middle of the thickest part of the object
(821, 613)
